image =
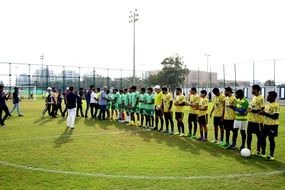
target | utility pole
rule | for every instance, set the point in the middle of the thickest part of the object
(133, 18)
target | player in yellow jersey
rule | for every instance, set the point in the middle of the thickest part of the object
(193, 102)
(255, 120)
(167, 110)
(271, 122)
(203, 115)
(219, 111)
(158, 108)
(230, 114)
(179, 102)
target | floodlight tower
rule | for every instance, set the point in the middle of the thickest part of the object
(133, 18)
(42, 70)
(207, 55)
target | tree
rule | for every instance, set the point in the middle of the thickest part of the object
(269, 83)
(173, 73)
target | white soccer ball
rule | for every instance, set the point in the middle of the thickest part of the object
(245, 152)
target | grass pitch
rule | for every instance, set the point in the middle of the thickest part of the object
(40, 153)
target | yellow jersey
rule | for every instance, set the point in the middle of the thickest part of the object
(179, 100)
(257, 103)
(271, 108)
(158, 98)
(218, 102)
(230, 114)
(167, 98)
(194, 102)
(203, 102)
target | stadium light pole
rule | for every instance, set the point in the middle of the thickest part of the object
(207, 55)
(42, 72)
(133, 18)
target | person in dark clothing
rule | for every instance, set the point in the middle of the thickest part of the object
(87, 98)
(3, 106)
(71, 99)
(16, 101)
(59, 101)
(79, 103)
(64, 100)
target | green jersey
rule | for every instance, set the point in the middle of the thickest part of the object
(134, 99)
(149, 101)
(242, 105)
(110, 97)
(128, 96)
(123, 98)
(120, 100)
(116, 97)
(142, 100)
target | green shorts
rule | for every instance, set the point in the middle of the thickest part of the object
(109, 106)
(142, 110)
(121, 107)
(134, 110)
(149, 112)
(115, 107)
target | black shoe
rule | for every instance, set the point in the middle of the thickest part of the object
(154, 129)
(159, 130)
(20, 115)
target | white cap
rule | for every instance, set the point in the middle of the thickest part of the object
(67, 88)
(49, 88)
(156, 87)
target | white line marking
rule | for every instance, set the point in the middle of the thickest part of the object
(4, 163)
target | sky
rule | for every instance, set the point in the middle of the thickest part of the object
(93, 33)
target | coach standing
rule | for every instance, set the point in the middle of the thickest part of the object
(71, 99)
(3, 105)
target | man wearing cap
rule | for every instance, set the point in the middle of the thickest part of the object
(158, 98)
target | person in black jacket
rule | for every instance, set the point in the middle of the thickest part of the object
(71, 99)
(3, 106)
(16, 101)
(79, 102)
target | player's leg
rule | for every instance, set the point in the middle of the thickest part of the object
(190, 125)
(250, 129)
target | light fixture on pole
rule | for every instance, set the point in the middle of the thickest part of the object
(133, 18)
(42, 70)
(207, 55)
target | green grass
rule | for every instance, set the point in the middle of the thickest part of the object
(106, 147)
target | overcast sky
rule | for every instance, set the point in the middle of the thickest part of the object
(98, 34)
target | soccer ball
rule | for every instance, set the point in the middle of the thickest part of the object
(245, 152)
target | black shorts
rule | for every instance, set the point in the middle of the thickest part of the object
(192, 117)
(203, 120)
(228, 124)
(218, 121)
(179, 115)
(158, 113)
(270, 130)
(254, 127)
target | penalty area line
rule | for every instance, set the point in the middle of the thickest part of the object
(30, 168)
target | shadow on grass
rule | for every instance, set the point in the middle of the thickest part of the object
(64, 137)
(195, 146)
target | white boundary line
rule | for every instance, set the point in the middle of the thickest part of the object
(4, 163)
